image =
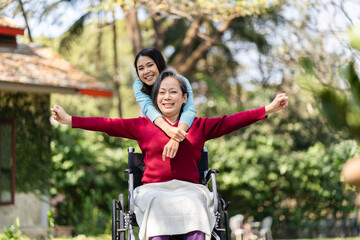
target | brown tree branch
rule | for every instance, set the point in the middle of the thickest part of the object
(188, 43)
(190, 62)
(6, 3)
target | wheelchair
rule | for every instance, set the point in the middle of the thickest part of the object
(124, 219)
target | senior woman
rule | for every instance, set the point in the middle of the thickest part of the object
(171, 201)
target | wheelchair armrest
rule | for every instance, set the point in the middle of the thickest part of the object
(208, 175)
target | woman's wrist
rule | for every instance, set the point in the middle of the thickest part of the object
(69, 120)
(268, 109)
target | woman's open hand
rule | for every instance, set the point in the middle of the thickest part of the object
(60, 115)
(170, 149)
(280, 102)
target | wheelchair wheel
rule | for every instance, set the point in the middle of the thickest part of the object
(122, 217)
(118, 219)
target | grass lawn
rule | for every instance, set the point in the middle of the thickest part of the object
(348, 238)
(108, 237)
(83, 237)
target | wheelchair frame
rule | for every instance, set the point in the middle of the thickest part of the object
(123, 221)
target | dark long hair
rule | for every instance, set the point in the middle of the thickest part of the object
(156, 87)
(159, 60)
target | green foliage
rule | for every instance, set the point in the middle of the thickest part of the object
(88, 168)
(73, 34)
(13, 232)
(262, 177)
(88, 172)
(287, 166)
(355, 37)
(31, 112)
(340, 106)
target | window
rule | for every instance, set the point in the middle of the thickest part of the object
(7, 162)
(7, 41)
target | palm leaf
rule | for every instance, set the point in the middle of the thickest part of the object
(72, 34)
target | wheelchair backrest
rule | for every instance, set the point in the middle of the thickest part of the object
(137, 165)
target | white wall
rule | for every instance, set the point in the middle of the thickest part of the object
(31, 209)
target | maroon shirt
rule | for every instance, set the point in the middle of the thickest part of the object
(152, 140)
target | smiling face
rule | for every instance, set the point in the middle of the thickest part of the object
(147, 70)
(170, 99)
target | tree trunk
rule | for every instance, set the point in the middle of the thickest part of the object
(25, 18)
(159, 31)
(133, 29)
(116, 79)
(98, 59)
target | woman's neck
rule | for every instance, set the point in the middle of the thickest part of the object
(172, 120)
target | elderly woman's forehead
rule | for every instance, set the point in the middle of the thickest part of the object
(170, 79)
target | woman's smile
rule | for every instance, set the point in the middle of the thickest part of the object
(147, 70)
(168, 105)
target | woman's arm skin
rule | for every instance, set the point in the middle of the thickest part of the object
(176, 133)
(280, 102)
(60, 115)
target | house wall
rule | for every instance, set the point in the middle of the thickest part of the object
(32, 158)
(31, 209)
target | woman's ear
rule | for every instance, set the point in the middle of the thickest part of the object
(185, 96)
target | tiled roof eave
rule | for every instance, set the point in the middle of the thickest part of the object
(35, 88)
(38, 69)
(48, 89)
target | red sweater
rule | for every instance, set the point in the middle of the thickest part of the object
(152, 140)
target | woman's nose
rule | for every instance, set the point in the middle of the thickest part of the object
(167, 95)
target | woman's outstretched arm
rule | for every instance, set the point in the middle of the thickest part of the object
(217, 127)
(116, 127)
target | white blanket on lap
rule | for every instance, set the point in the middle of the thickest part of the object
(174, 207)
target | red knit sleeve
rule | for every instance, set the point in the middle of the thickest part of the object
(116, 127)
(217, 127)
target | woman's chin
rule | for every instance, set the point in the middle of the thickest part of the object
(169, 113)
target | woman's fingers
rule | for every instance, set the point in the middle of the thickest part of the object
(179, 135)
(170, 149)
